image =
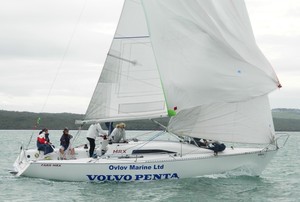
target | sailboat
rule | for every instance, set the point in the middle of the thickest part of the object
(195, 61)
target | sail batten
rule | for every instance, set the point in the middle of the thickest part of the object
(131, 37)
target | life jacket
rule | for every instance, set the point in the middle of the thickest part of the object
(41, 138)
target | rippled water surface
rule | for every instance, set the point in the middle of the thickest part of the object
(279, 182)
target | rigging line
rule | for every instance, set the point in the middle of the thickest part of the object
(64, 55)
(146, 133)
(151, 139)
(131, 77)
(138, 145)
(77, 135)
(32, 133)
(59, 66)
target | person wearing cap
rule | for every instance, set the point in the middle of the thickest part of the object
(93, 132)
(65, 142)
(119, 133)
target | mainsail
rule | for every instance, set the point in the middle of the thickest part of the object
(129, 86)
(199, 56)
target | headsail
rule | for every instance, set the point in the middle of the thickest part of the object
(206, 52)
(248, 121)
(129, 86)
(210, 66)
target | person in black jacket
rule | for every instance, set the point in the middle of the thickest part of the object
(216, 146)
(65, 142)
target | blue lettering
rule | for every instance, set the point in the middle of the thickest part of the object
(159, 167)
(141, 167)
(137, 177)
(156, 176)
(174, 175)
(101, 178)
(92, 177)
(109, 178)
(118, 167)
(147, 177)
(128, 177)
(118, 177)
(166, 175)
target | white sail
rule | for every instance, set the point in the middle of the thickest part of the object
(206, 52)
(129, 86)
(211, 69)
(244, 122)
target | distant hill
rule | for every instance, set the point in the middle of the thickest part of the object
(27, 120)
(284, 120)
(13, 120)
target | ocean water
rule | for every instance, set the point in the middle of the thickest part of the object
(279, 182)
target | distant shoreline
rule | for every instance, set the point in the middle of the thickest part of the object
(284, 120)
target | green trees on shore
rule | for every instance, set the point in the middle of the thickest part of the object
(284, 120)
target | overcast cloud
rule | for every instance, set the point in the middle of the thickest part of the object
(62, 44)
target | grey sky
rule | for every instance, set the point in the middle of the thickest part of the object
(62, 44)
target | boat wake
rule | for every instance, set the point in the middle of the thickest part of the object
(242, 171)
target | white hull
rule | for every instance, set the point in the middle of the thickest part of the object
(144, 167)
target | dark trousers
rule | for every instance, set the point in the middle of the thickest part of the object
(46, 148)
(217, 147)
(92, 146)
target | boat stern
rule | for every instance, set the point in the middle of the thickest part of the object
(21, 163)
